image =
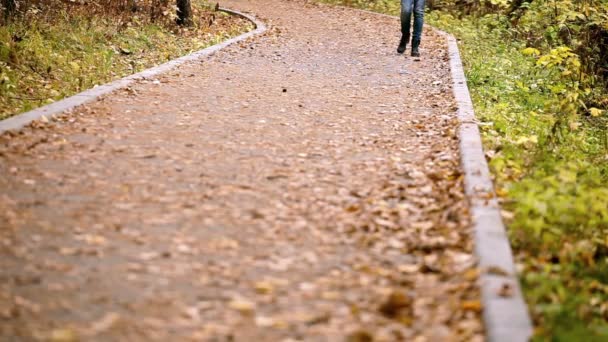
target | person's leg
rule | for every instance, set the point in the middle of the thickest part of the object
(406, 19)
(418, 23)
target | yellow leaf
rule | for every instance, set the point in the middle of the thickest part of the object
(501, 192)
(523, 140)
(75, 66)
(264, 287)
(63, 335)
(244, 306)
(595, 111)
(574, 125)
(530, 52)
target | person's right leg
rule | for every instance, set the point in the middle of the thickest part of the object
(406, 19)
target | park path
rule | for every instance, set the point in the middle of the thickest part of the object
(300, 186)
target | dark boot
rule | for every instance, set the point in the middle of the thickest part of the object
(402, 44)
(415, 45)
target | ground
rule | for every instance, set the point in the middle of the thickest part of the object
(302, 185)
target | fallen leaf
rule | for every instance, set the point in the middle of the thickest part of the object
(360, 336)
(471, 274)
(495, 270)
(506, 290)
(105, 323)
(264, 322)
(395, 304)
(264, 287)
(423, 225)
(318, 319)
(63, 335)
(242, 305)
(471, 305)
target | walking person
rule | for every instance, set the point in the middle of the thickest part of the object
(407, 7)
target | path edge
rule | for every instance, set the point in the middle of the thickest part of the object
(505, 312)
(19, 121)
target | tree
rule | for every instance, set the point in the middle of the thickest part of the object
(184, 13)
(10, 6)
(134, 6)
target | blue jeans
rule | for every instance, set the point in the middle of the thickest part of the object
(407, 6)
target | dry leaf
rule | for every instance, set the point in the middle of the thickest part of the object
(244, 306)
(63, 335)
(105, 323)
(471, 305)
(495, 270)
(264, 287)
(506, 290)
(395, 304)
(360, 336)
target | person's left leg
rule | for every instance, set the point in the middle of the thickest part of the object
(418, 23)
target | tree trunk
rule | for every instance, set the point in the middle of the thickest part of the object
(133, 5)
(10, 6)
(184, 13)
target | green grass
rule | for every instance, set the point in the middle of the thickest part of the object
(43, 60)
(554, 189)
(553, 182)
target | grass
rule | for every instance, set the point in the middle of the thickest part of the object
(554, 188)
(44, 59)
(553, 181)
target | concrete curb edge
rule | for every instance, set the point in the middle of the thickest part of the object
(19, 121)
(505, 313)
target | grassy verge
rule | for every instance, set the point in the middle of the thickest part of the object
(46, 58)
(553, 183)
(550, 169)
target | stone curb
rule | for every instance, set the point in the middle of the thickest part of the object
(21, 120)
(505, 313)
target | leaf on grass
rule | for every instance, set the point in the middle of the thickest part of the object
(530, 52)
(595, 112)
(75, 66)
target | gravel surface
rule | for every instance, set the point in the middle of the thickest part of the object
(301, 186)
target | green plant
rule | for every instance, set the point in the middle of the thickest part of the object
(56, 54)
(548, 156)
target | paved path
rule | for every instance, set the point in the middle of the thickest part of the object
(304, 185)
